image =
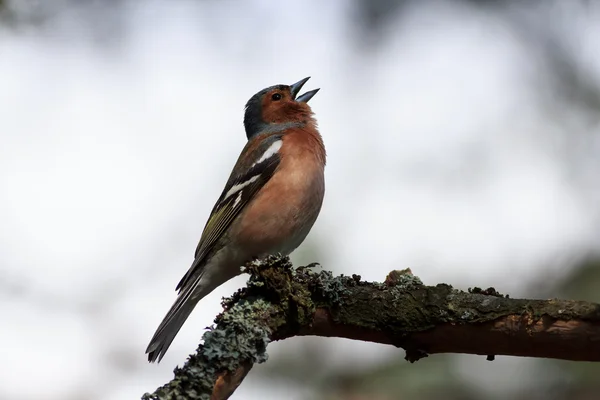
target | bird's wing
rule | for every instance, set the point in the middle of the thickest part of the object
(255, 166)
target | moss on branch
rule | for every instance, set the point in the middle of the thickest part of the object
(280, 302)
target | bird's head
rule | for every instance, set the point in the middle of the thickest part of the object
(276, 107)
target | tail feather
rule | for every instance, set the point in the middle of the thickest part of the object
(195, 287)
(173, 321)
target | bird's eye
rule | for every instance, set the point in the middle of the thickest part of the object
(276, 96)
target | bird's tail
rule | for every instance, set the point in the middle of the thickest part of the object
(173, 321)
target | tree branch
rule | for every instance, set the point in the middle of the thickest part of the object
(280, 302)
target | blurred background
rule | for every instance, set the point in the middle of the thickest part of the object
(463, 141)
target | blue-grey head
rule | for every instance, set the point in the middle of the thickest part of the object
(276, 108)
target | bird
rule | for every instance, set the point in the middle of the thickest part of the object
(269, 204)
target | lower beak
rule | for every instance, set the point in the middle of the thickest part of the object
(307, 96)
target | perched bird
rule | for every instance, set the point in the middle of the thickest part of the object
(269, 204)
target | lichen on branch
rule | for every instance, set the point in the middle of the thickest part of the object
(281, 302)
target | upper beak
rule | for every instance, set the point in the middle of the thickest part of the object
(295, 89)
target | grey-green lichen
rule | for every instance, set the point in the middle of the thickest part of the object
(328, 288)
(239, 336)
(250, 339)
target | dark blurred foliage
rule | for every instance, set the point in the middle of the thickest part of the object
(307, 365)
(568, 80)
(431, 378)
(583, 283)
(372, 17)
(103, 19)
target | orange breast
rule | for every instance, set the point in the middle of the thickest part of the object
(280, 216)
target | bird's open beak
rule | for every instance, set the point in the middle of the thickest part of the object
(295, 89)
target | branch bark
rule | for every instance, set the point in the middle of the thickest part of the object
(280, 302)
